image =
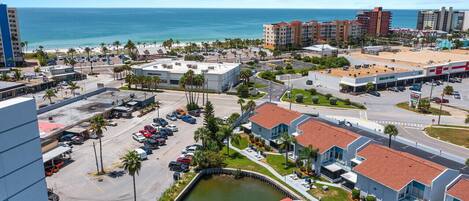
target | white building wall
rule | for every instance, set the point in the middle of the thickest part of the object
(21, 168)
(370, 187)
(324, 80)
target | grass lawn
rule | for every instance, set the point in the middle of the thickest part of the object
(323, 101)
(260, 95)
(278, 163)
(452, 135)
(243, 142)
(332, 194)
(257, 85)
(172, 192)
(433, 111)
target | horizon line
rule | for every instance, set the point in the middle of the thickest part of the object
(234, 8)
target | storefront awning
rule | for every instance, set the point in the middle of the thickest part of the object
(54, 153)
(350, 176)
(333, 167)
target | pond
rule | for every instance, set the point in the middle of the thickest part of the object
(227, 188)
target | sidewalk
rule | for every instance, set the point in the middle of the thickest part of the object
(302, 191)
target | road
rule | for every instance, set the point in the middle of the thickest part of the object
(75, 182)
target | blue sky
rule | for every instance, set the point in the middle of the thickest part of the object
(353, 4)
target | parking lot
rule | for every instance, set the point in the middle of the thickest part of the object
(76, 182)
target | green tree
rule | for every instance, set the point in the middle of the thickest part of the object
(391, 131)
(286, 141)
(467, 119)
(117, 44)
(36, 71)
(72, 86)
(131, 49)
(315, 99)
(424, 105)
(49, 94)
(202, 134)
(243, 91)
(227, 133)
(448, 90)
(245, 75)
(309, 154)
(17, 74)
(333, 101)
(132, 164)
(369, 87)
(251, 105)
(299, 98)
(467, 162)
(98, 124)
(241, 102)
(232, 118)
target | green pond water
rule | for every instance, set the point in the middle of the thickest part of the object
(226, 188)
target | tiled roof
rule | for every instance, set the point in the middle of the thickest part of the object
(324, 136)
(460, 189)
(269, 115)
(396, 169)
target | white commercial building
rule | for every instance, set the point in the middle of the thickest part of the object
(21, 168)
(323, 50)
(219, 76)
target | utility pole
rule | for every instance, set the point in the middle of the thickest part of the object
(289, 93)
(431, 91)
(270, 91)
(441, 107)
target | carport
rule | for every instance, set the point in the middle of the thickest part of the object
(56, 152)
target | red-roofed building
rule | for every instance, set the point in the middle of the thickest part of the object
(336, 147)
(458, 190)
(270, 121)
(46, 128)
(392, 175)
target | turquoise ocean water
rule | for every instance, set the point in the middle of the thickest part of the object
(71, 27)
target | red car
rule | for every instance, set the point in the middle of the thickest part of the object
(439, 100)
(146, 133)
(149, 128)
(186, 160)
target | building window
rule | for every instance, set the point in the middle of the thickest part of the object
(174, 82)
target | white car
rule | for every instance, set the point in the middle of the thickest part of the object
(138, 137)
(172, 127)
(141, 153)
(190, 149)
(111, 123)
(156, 126)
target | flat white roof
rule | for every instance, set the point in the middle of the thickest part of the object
(54, 153)
(333, 167)
(319, 48)
(350, 176)
(180, 66)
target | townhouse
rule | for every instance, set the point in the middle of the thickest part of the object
(458, 189)
(391, 175)
(336, 148)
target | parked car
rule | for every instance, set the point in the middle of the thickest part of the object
(309, 82)
(184, 159)
(195, 113)
(150, 129)
(395, 89)
(439, 100)
(180, 113)
(77, 140)
(188, 119)
(374, 93)
(138, 137)
(160, 122)
(111, 123)
(166, 131)
(149, 145)
(401, 88)
(146, 133)
(157, 141)
(141, 153)
(455, 79)
(171, 116)
(457, 96)
(147, 149)
(178, 166)
(66, 137)
(160, 135)
(190, 149)
(172, 127)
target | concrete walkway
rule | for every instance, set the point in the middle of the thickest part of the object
(276, 174)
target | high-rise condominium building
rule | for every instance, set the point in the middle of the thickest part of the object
(375, 22)
(22, 174)
(448, 20)
(297, 34)
(10, 43)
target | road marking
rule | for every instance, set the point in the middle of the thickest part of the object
(404, 124)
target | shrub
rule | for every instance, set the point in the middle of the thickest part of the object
(347, 102)
(299, 162)
(356, 194)
(328, 96)
(267, 148)
(315, 99)
(279, 68)
(333, 101)
(312, 91)
(243, 91)
(191, 57)
(289, 67)
(299, 98)
(370, 198)
(448, 90)
(192, 106)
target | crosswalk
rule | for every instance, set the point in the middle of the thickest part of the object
(404, 124)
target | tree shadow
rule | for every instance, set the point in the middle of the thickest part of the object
(116, 174)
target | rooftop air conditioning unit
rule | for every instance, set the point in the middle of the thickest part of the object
(177, 63)
(211, 67)
(170, 67)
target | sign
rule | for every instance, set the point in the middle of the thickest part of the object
(414, 98)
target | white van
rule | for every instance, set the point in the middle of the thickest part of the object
(141, 153)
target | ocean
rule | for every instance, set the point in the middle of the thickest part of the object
(72, 27)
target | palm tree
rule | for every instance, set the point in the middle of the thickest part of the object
(131, 48)
(130, 79)
(116, 44)
(71, 52)
(227, 134)
(72, 86)
(49, 94)
(390, 130)
(310, 154)
(146, 53)
(98, 124)
(287, 140)
(132, 164)
(251, 105)
(241, 102)
(17, 74)
(202, 134)
(156, 81)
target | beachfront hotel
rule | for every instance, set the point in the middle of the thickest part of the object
(219, 76)
(375, 22)
(10, 48)
(447, 20)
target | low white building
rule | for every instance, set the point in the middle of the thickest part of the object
(60, 73)
(323, 50)
(21, 167)
(219, 76)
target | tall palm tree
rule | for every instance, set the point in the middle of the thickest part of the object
(286, 140)
(309, 154)
(36, 71)
(88, 53)
(71, 52)
(130, 79)
(132, 164)
(98, 124)
(156, 82)
(241, 102)
(390, 130)
(227, 134)
(49, 94)
(202, 134)
(116, 44)
(131, 48)
(251, 105)
(17, 74)
(72, 86)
